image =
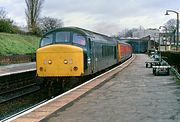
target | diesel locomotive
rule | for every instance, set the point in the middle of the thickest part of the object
(76, 52)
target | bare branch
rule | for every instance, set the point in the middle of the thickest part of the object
(48, 23)
(3, 13)
(32, 13)
(171, 24)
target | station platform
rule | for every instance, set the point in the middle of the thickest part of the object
(132, 95)
(16, 68)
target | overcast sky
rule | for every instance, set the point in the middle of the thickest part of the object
(105, 16)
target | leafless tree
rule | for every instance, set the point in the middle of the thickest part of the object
(171, 24)
(49, 23)
(32, 14)
(129, 32)
(3, 13)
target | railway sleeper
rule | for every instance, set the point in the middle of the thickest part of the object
(10, 86)
(18, 92)
(15, 86)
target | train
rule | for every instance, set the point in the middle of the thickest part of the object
(76, 52)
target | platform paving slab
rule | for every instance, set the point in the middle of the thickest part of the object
(133, 95)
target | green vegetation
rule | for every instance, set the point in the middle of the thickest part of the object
(173, 58)
(7, 26)
(17, 44)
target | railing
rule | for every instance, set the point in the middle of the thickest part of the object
(174, 70)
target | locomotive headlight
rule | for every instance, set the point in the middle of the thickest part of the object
(49, 62)
(65, 61)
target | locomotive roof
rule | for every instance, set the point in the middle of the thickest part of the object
(96, 36)
(81, 30)
(87, 33)
(77, 29)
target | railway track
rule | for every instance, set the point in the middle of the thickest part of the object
(16, 84)
(19, 113)
(14, 91)
(18, 92)
(14, 80)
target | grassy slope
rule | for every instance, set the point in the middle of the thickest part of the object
(17, 44)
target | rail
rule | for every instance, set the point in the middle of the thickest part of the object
(19, 113)
(10, 95)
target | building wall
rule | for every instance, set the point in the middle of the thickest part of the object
(153, 33)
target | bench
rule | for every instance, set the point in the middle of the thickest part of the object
(161, 70)
(149, 64)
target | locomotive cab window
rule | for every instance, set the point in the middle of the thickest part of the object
(46, 40)
(79, 39)
(63, 37)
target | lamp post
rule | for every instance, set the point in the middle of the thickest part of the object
(165, 36)
(159, 46)
(177, 26)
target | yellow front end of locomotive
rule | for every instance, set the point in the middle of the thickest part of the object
(59, 60)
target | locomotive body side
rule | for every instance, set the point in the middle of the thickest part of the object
(124, 51)
(103, 52)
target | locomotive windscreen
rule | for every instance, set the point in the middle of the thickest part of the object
(63, 37)
(47, 40)
(79, 39)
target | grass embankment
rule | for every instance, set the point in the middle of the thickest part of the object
(11, 44)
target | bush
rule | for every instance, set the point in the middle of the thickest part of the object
(173, 58)
(6, 25)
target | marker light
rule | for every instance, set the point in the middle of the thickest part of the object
(49, 62)
(65, 61)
